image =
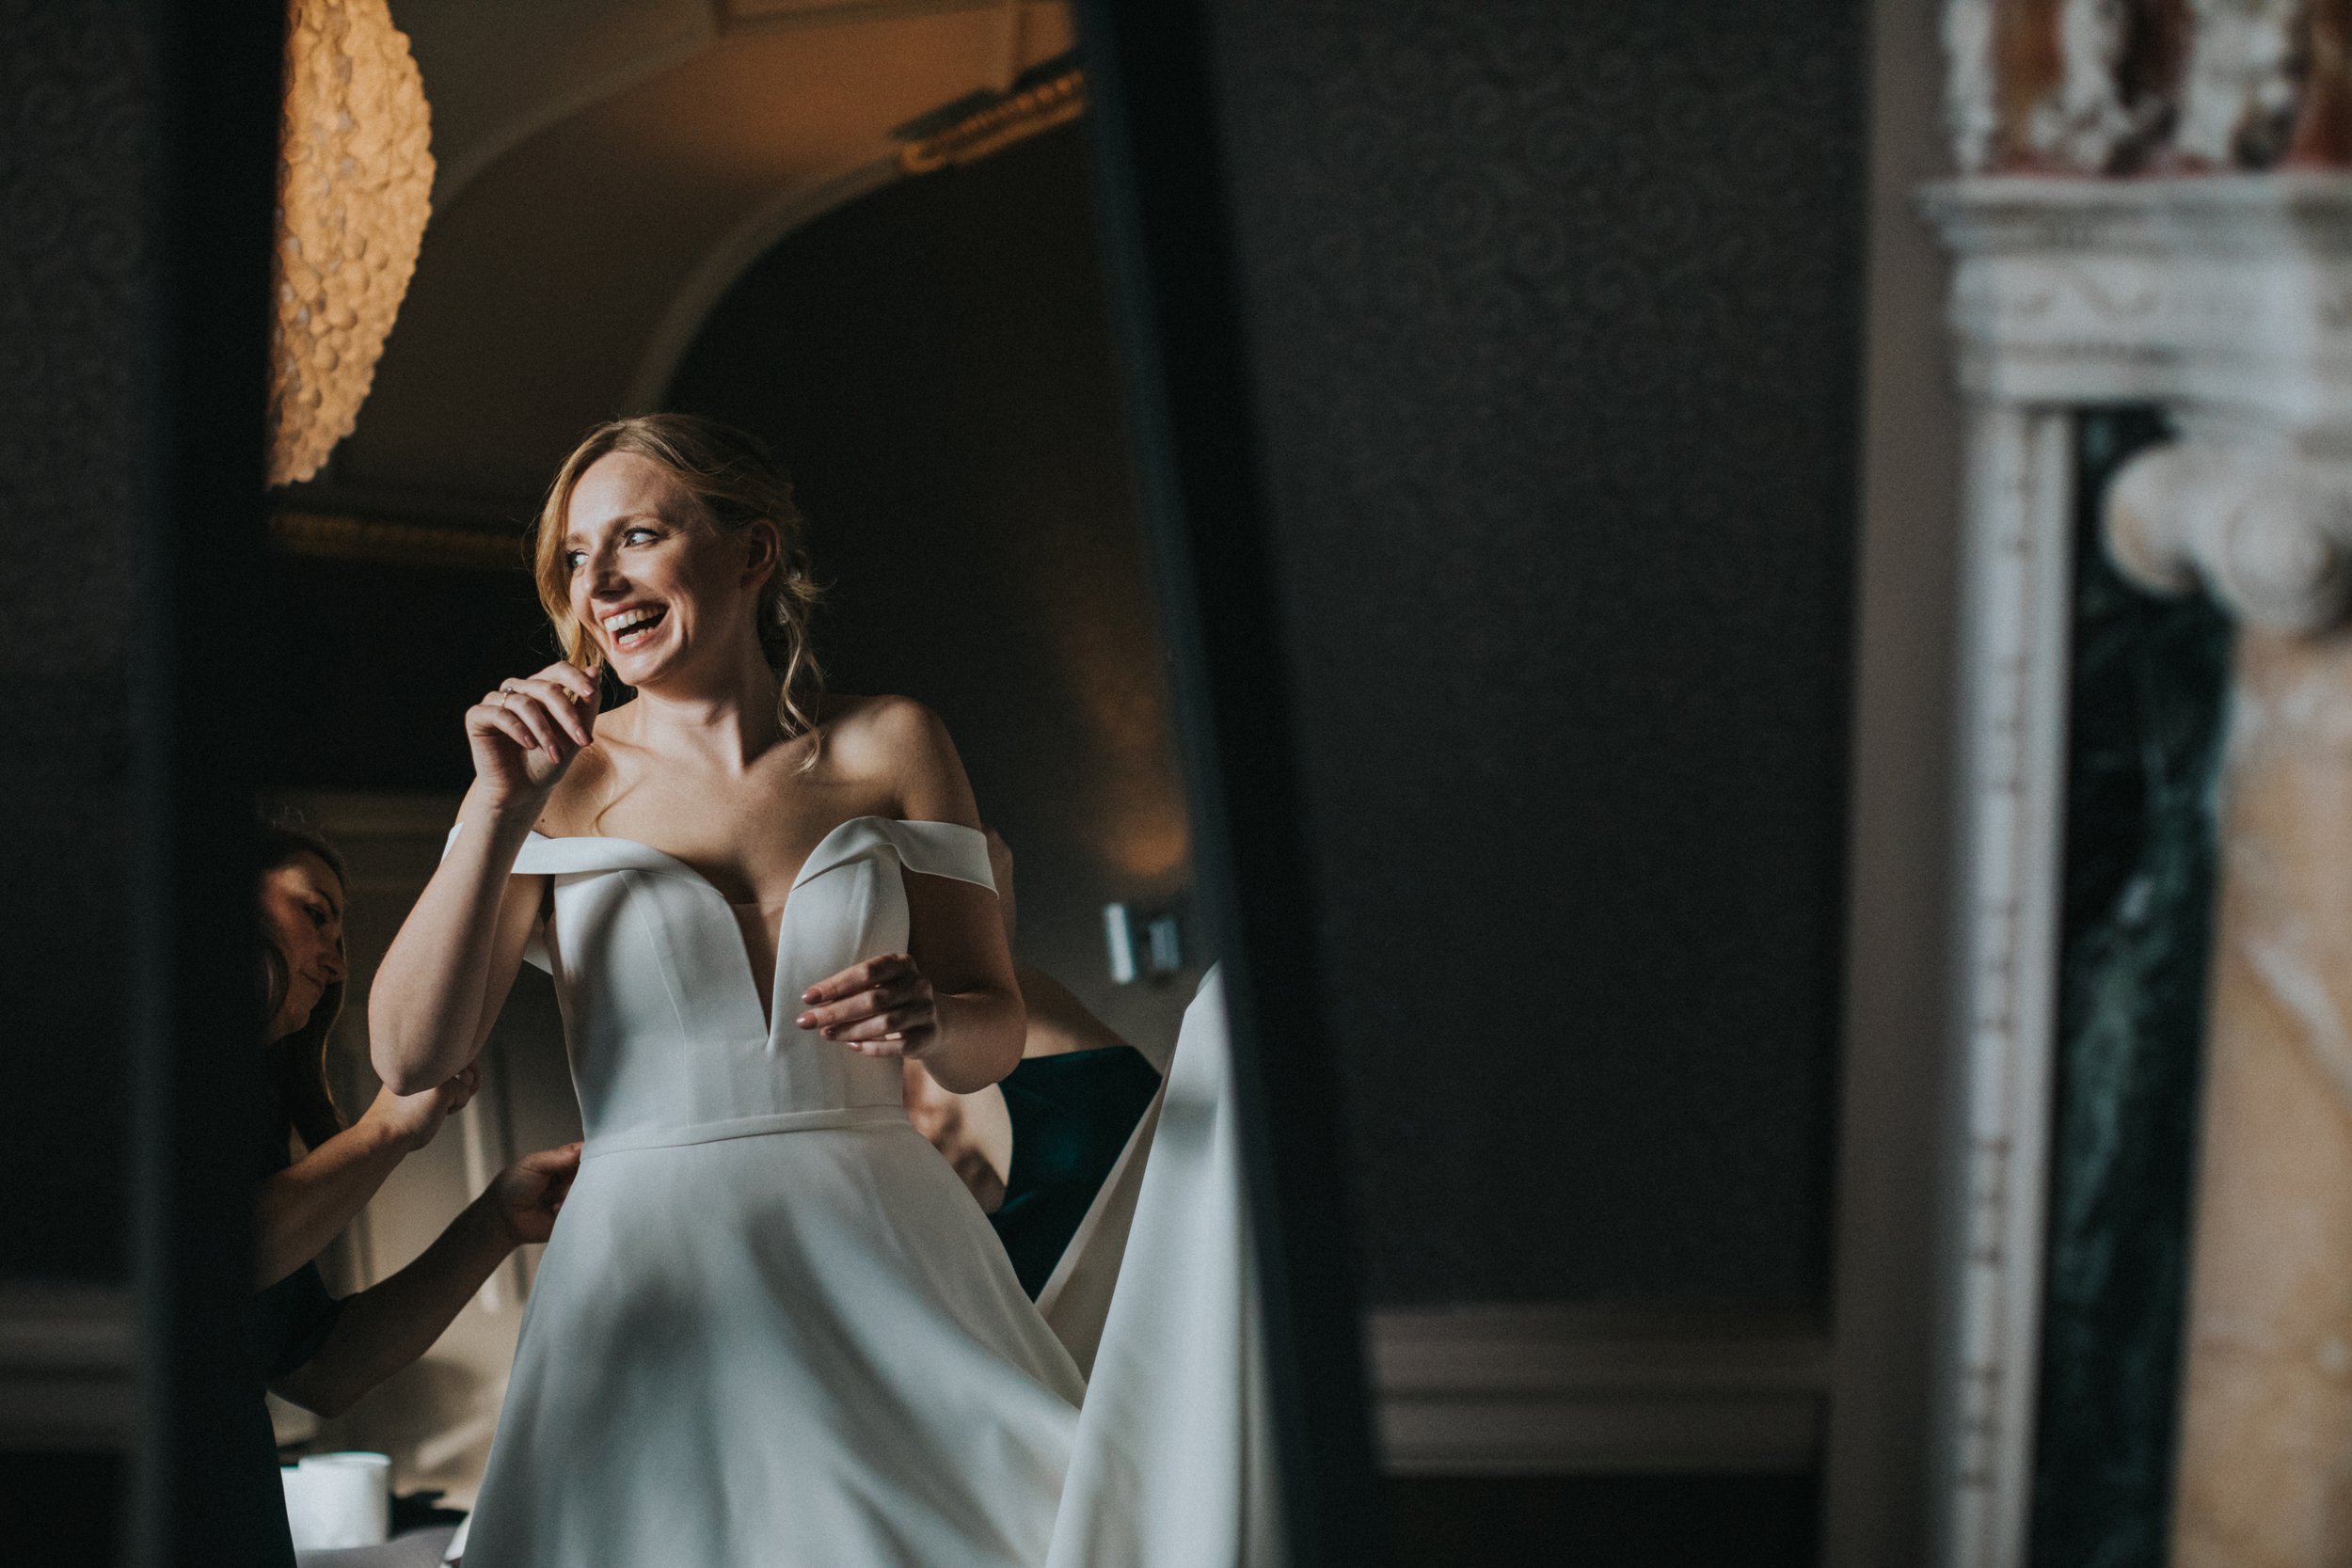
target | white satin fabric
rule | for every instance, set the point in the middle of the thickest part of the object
(772, 1326)
(1173, 1465)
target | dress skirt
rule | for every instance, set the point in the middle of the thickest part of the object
(799, 1349)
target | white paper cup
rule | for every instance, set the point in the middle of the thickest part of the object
(339, 1499)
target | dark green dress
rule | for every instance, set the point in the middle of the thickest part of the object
(290, 1321)
(1072, 1114)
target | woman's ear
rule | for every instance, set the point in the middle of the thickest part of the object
(763, 548)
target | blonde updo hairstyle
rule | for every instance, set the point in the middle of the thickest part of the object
(738, 483)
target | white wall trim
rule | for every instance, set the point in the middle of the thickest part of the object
(1561, 1390)
(68, 1366)
(2017, 584)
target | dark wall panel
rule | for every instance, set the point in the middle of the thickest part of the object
(373, 666)
(1553, 310)
(78, 329)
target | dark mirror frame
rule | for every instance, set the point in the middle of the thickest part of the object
(205, 585)
(1162, 203)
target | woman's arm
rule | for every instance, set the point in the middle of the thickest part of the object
(383, 1328)
(949, 1001)
(306, 1206)
(447, 974)
(441, 986)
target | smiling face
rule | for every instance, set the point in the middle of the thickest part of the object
(302, 916)
(658, 588)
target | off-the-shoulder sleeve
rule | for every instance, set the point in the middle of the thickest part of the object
(535, 952)
(941, 849)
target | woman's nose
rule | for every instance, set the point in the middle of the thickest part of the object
(333, 968)
(605, 577)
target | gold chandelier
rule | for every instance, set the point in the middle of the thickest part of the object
(355, 183)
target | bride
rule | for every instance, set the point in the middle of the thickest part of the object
(772, 1326)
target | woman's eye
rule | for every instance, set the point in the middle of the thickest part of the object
(637, 534)
(572, 559)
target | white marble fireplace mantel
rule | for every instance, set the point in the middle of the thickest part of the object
(2226, 300)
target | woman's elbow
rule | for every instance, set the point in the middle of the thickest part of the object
(405, 1080)
(399, 1073)
(398, 1060)
(985, 1060)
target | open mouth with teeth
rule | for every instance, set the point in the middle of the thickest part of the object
(631, 628)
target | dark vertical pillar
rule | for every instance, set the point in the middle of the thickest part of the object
(136, 171)
(219, 92)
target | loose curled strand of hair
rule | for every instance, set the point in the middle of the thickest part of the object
(738, 483)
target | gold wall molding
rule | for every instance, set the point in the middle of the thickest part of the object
(332, 536)
(1053, 102)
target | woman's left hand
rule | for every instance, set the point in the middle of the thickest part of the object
(880, 1008)
(524, 1198)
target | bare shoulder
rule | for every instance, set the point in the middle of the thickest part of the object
(902, 747)
(876, 734)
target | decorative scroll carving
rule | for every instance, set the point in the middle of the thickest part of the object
(2225, 292)
(2245, 72)
(2269, 536)
(2104, 86)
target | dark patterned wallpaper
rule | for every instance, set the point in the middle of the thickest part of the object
(76, 355)
(1554, 319)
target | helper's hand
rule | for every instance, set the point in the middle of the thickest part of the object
(526, 1196)
(413, 1119)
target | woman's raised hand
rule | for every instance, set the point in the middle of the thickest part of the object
(526, 732)
(413, 1119)
(880, 1008)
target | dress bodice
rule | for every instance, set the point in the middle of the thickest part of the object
(660, 1012)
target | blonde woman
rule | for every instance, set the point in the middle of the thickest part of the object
(772, 1328)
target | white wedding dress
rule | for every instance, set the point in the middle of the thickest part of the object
(772, 1328)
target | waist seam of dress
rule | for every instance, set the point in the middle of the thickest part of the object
(743, 1127)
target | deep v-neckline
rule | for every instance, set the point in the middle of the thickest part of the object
(766, 1009)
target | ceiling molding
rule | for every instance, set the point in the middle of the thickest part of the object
(467, 166)
(331, 536)
(735, 17)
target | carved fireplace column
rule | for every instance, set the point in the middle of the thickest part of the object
(2265, 1469)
